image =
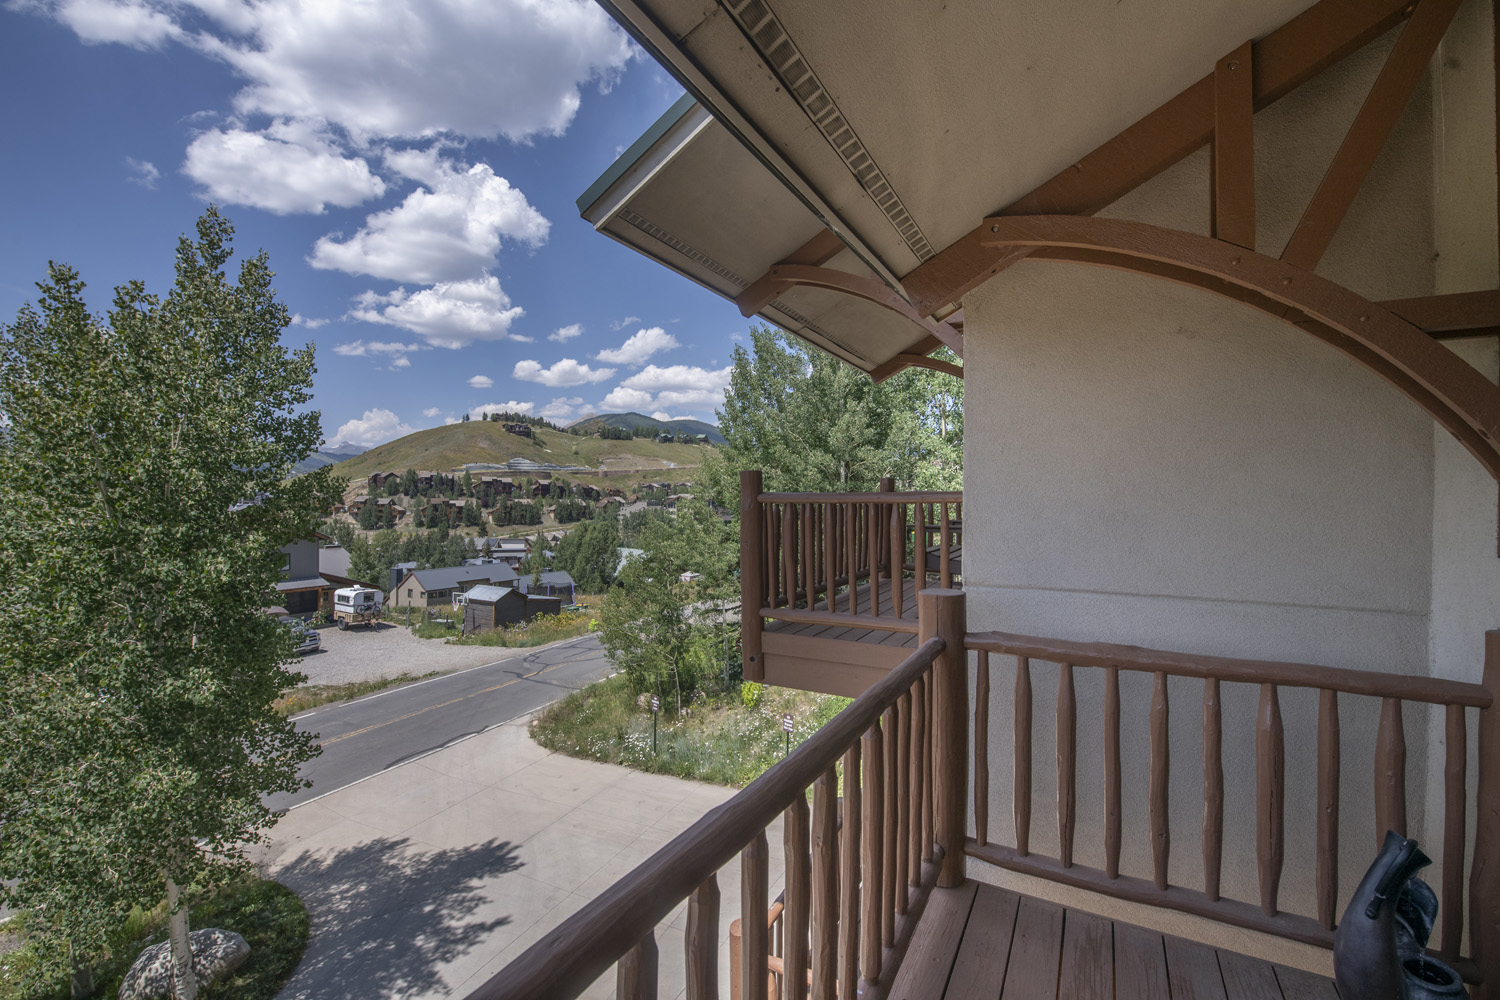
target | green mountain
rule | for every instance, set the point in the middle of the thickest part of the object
(636, 421)
(442, 449)
(326, 456)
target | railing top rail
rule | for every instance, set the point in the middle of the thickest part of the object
(1433, 690)
(928, 496)
(582, 947)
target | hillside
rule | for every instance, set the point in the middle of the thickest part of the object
(440, 449)
(635, 421)
(326, 456)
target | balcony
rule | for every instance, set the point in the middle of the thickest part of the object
(824, 604)
(889, 874)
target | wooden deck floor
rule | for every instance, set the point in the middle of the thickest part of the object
(978, 941)
(853, 632)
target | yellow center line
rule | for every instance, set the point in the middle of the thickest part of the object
(429, 708)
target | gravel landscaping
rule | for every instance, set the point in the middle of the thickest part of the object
(386, 650)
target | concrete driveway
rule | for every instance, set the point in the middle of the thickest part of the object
(426, 879)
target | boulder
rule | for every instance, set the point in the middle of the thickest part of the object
(216, 954)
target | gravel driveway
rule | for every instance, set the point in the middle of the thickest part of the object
(386, 650)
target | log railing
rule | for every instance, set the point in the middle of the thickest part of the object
(1335, 687)
(841, 558)
(854, 889)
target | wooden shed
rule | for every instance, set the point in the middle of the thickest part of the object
(493, 607)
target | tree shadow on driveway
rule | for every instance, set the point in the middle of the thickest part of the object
(388, 915)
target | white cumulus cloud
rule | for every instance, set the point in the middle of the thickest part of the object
(143, 172)
(431, 412)
(289, 167)
(677, 387)
(401, 362)
(560, 407)
(482, 382)
(483, 412)
(449, 231)
(449, 314)
(312, 324)
(564, 373)
(563, 334)
(377, 426)
(361, 349)
(640, 346)
(483, 68)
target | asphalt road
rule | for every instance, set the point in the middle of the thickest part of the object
(365, 737)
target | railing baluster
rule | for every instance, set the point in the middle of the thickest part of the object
(851, 558)
(830, 558)
(809, 555)
(635, 975)
(1328, 807)
(872, 540)
(1067, 752)
(982, 750)
(701, 941)
(1161, 769)
(916, 785)
(927, 793)
(1213, 788)
(755, 904)
(752, 580)
(1112, 824)
(789, 552)
(825, 876)
(872, 851)
(890, 827)
(1270, 786)
(1390, 771)
(903, 796)
(898, 557)
(795, 918)
(1455, 780)
(773, 554)
(1021, 801)
(849, 876)
(1484, 901)
(945, 570)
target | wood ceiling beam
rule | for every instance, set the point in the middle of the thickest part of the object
(1232, 166)
(1448, 388)
(1289, 56)
(921, 348)
(913, 360)
(1446, 317)
(871, 290)
(1388, 97)
(764, 290)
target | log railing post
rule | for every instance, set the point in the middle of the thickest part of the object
(942, 613)
(751, 583)
(635, 975)
(701, 942)
(1484, 876)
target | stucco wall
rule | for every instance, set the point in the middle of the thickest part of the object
(1150, 464)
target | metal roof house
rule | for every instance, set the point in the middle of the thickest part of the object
(1228, 279)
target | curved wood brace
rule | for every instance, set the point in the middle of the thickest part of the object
(1449, 389)
(871, 290)
(934, 364)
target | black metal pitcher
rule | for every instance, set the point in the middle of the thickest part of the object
(1380, 947)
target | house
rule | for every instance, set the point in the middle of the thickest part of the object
(495, 607)
(586, 492)
(1227, 276)
(378, 480)
(427, 588)
(302, 589)
(520, 430)
(503, 486)
(398, 573)
(554, 583)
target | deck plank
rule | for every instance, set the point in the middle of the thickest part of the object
(1088, 959)
(979, 970)
(1193, 970)
(929, 958)
(1247, 978)
(1035, 951)
(1297, 984)
(1140, 964)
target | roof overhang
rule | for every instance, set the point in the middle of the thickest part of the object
(896, 128)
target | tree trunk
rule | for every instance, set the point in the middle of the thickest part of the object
(184, 983)
(81, 980)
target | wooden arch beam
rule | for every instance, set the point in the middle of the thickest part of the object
(871, 290)
(1450, 390)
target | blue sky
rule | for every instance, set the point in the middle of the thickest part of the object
(411, 168)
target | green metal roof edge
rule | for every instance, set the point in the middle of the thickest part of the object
(637, 149)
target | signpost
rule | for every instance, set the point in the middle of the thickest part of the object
(786, 724)
(655, 708)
